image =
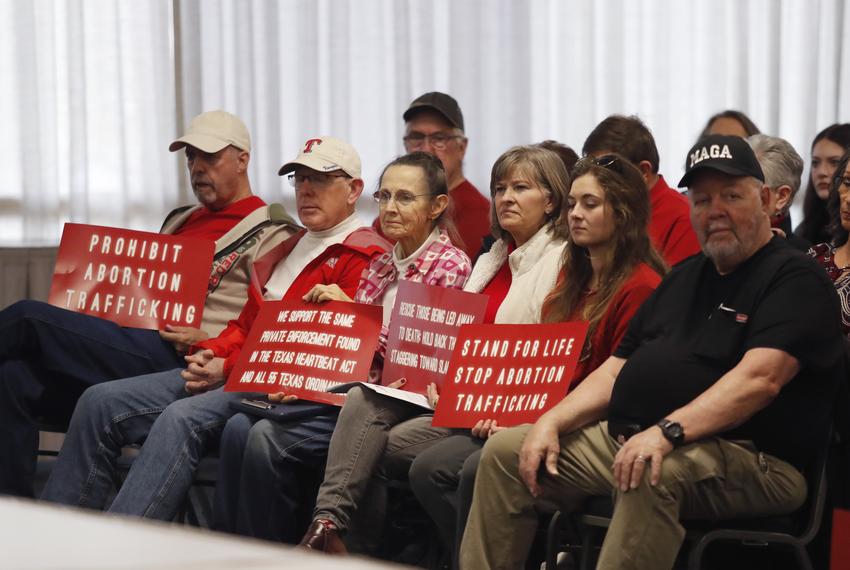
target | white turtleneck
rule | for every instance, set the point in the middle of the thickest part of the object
(306, 250)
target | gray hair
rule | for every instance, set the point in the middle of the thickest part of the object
(781, 164)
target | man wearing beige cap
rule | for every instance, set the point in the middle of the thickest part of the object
(433, 123)
(178, 414)
(49, 355)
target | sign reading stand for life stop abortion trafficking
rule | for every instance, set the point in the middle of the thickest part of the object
(305, 349)
(132, 278)
(508, 373)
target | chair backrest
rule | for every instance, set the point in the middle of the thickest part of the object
(816, 480)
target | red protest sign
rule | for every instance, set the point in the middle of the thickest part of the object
(508, 373)
(423, 329)
(305, 349)
(135, 279)
(840, 556)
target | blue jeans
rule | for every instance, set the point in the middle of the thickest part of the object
(48, 356)
(268, 475)
(176, 429)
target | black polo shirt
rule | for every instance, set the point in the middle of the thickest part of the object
(697, 326)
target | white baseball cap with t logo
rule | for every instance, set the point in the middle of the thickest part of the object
(326, 154)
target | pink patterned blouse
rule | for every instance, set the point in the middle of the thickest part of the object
(441, 263)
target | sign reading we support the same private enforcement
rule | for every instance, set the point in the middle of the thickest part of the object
(423, 330)
(508, 373)
(305, 349)
(135, 279)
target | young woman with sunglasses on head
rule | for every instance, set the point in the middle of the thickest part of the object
(266, 464)
(608, 269)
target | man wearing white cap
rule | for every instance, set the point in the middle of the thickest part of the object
(180, 413)
(49, 355)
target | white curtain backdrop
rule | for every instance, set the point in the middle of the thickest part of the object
(90, 99)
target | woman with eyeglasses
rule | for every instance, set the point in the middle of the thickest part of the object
(827, 148)
(834, 255)
(413, 198)
(607, 270)
(376, 437)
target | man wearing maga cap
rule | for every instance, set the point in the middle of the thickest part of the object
(179, 414)
(433, 123)
(717, 398)
(49, 355)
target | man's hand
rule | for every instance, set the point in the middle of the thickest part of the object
(649, 446)
(282, 398)
(182, 337)
(322, 293)
(205, 372)
(485, 428)
(541, 444)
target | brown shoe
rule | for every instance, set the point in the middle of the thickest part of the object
(322, 536)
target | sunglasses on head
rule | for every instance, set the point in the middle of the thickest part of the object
(605, 161)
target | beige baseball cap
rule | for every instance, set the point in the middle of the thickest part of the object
(325, 154)
(214, 130)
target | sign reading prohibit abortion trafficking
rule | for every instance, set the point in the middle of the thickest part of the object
(423, 330)
(306, 348)
(135, 279)
(508, 373)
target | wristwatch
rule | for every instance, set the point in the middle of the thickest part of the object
(672, 431)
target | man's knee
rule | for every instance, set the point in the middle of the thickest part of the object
(236, 431)
(98, 398)
(179, 415)
(502, 449)
(259, 441)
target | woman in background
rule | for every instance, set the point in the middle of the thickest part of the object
(827, 148)
(834, 255)
(730, 122)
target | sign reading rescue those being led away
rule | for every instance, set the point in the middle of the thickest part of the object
(423, 330)
(132, 278)
(508, 373)
(305, 349)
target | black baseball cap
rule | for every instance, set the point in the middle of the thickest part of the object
(728, 154)
(439, 102)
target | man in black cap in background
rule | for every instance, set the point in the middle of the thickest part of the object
(434, 124)
(717, 398)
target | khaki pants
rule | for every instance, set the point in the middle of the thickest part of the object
(711, 479)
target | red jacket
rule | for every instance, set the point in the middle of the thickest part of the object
(670, 224)
(340, 263)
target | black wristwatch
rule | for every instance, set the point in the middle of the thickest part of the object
(672, 431)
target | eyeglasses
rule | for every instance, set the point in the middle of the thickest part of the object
(605, 161)
(318, 179)
(403, 199)
(415, 141)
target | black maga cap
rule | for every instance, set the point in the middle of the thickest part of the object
(439, 102)
(728, 154)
